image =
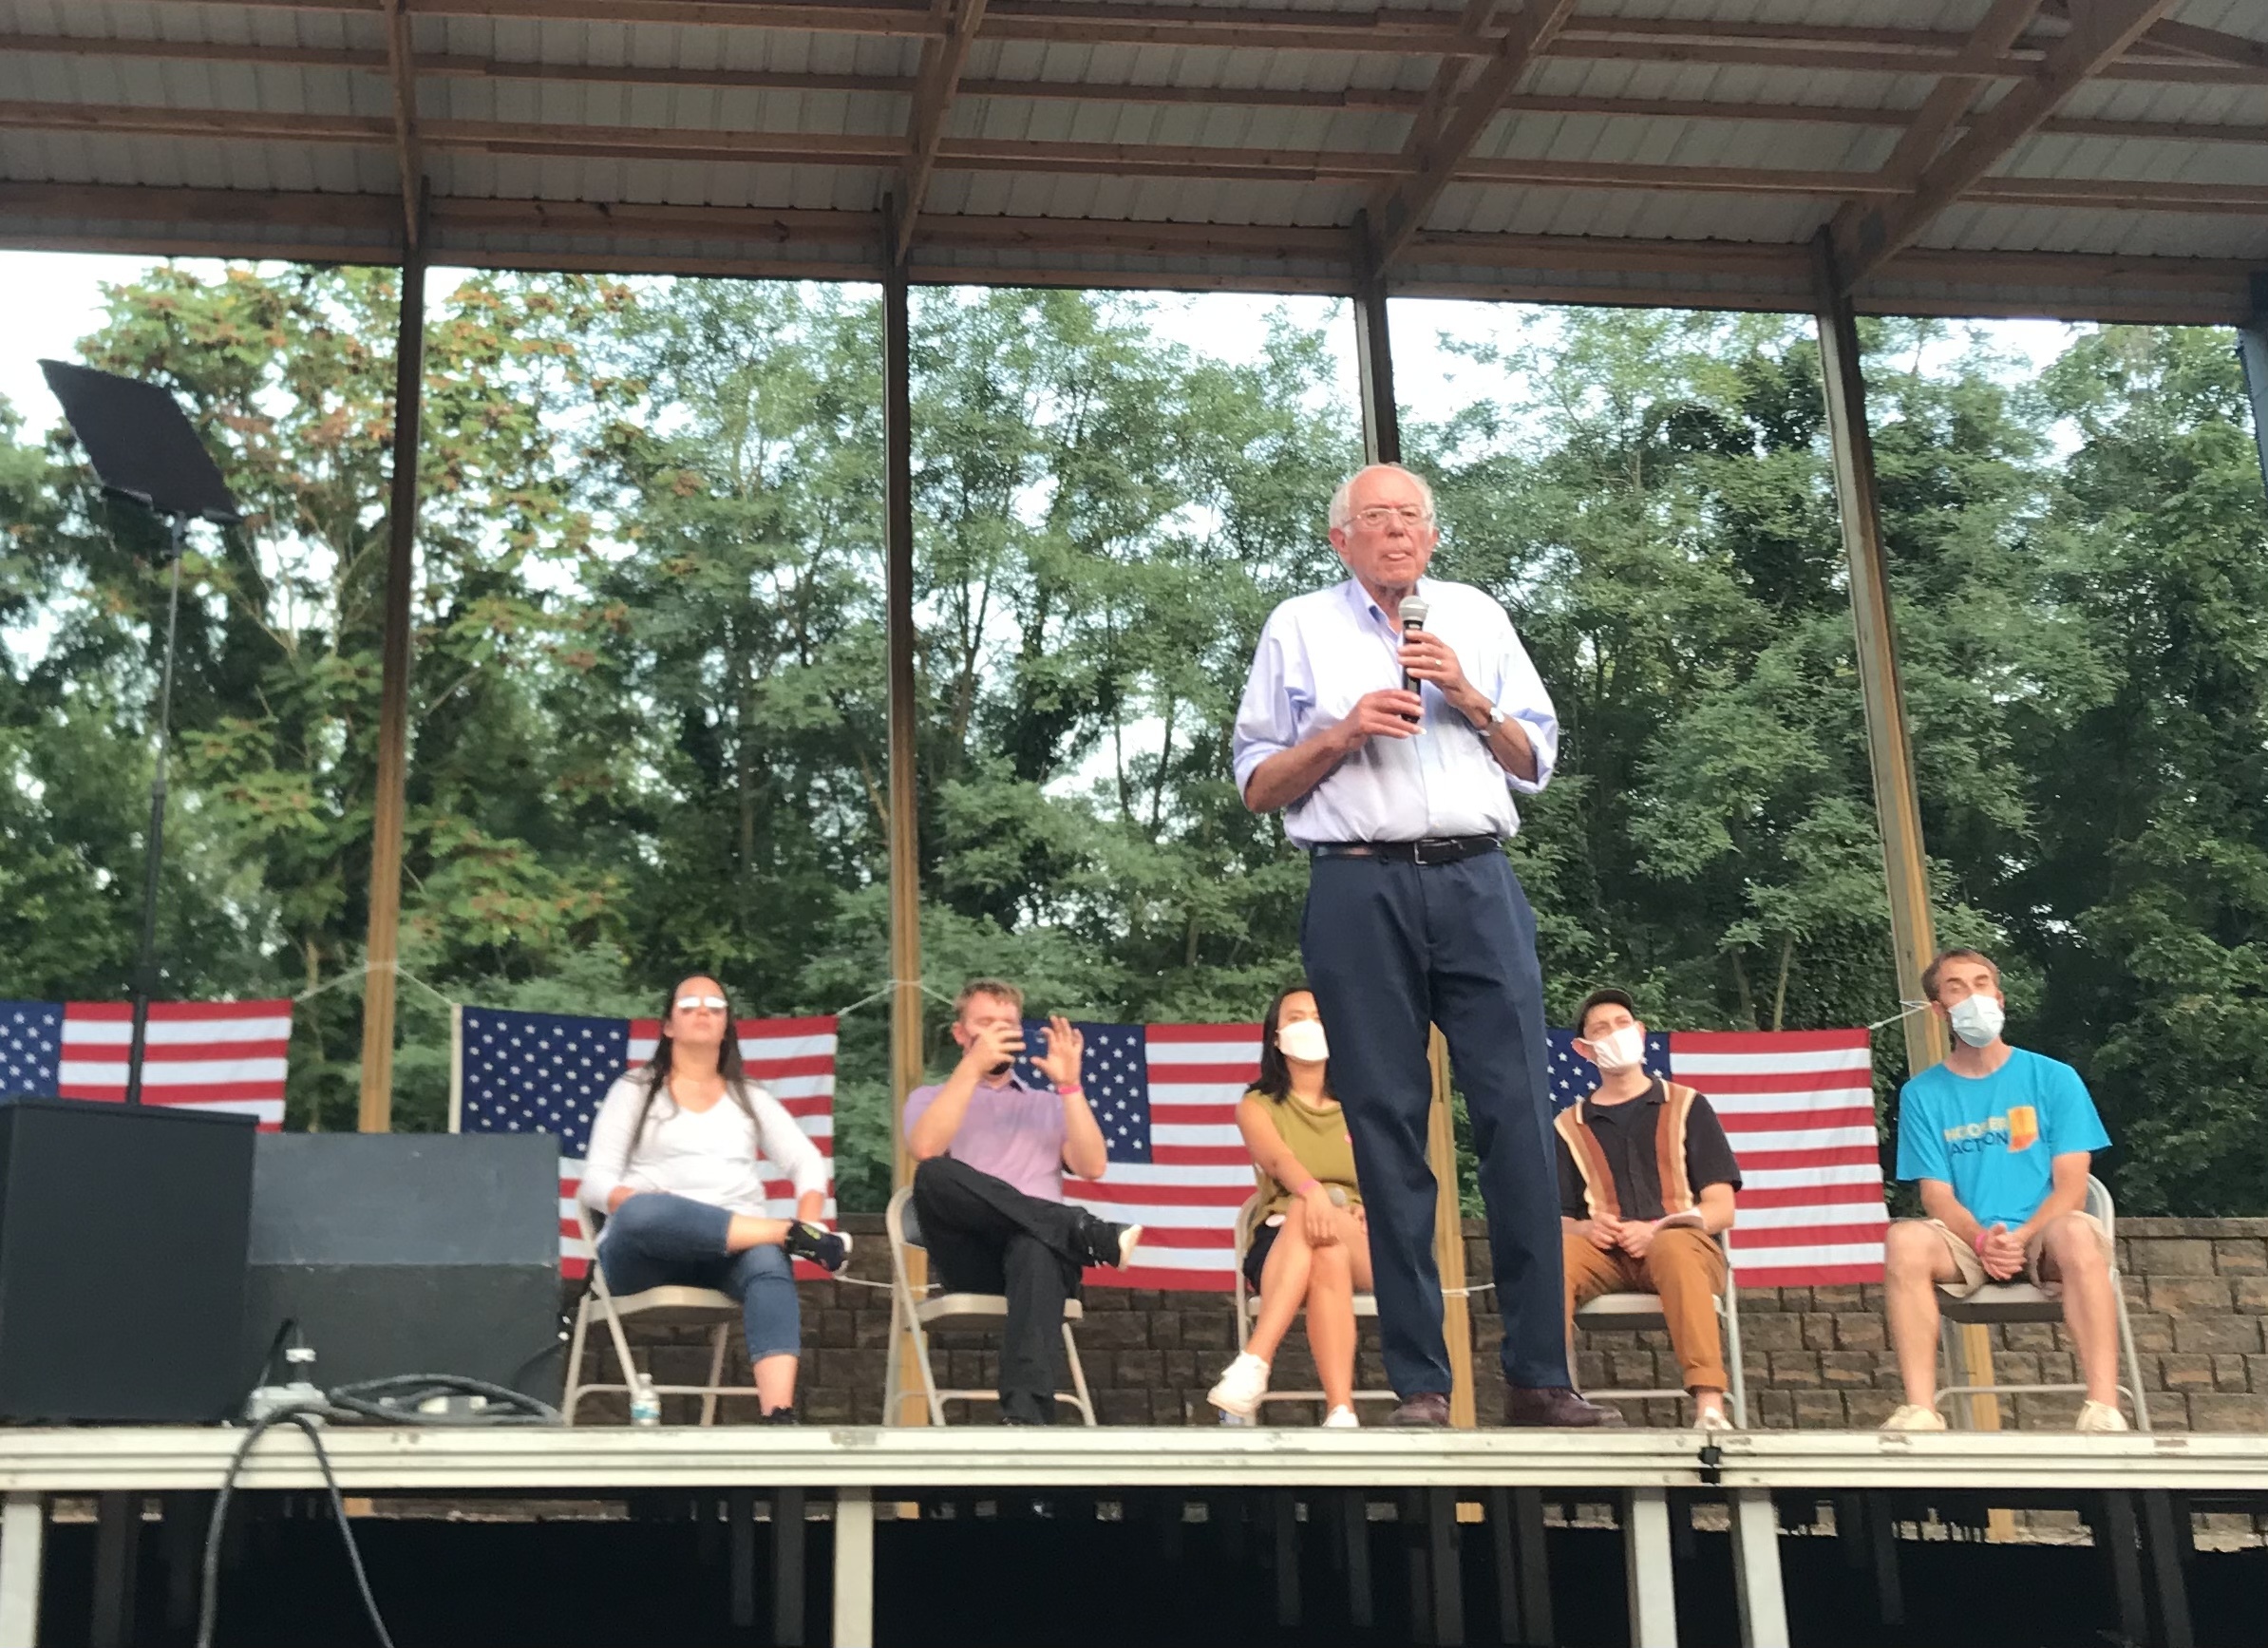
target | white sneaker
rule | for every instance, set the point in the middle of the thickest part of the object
(1913, 1417)
(1341, 1418)
(1241, 1388)
(1712, 1419)
(2100, 1417)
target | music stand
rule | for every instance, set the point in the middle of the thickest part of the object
(142, 448)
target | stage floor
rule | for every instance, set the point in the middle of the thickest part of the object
(437, 1460)
(1440, 1473)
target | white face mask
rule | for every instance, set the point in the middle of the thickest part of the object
(1619, 1050)
(1977, 1019)
(1303, 1039)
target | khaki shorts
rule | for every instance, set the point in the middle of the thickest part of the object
(1973, 1271)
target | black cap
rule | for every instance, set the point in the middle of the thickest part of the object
(1607, 998)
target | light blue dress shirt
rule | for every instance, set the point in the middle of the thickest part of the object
(1319, 652)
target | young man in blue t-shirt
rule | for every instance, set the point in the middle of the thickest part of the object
(2000, 1141)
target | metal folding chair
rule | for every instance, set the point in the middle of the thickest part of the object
(2019, 1301)
(1248, 1310)
(1631, 1313)
(657, 1307)
(920, 1315)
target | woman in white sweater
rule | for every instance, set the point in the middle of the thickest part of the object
(676, 1167)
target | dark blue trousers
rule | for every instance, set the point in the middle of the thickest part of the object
(1392, 949)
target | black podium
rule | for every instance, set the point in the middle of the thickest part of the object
(122, 1239)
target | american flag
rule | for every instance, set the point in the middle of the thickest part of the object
(211, 1055)
(1166, 1096)
(1797, 1107)
(546, 1072)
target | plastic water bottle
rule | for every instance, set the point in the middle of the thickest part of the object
(645, 1402)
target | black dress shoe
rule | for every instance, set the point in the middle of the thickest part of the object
(1557, 1408)
(779, 1416)
(1426, 1411)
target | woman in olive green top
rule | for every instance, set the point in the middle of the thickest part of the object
(1310, 1247)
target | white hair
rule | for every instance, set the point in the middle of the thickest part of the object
(1341, 509)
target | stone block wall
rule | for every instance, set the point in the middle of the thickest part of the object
(2197, 1291)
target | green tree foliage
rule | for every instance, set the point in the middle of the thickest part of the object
(649, 721)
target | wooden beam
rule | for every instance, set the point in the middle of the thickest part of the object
(388, 804)
(2099, 34)
(902, 643)
(2215, 45)
(1353, 98)
(1882, 689)
(1374, 354)
(942, 60)
(1399, 210)
(1197, 162)
(401, 64)
(1421, 33)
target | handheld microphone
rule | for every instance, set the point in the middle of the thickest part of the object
(1414, 609)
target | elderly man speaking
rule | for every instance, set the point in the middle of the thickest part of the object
(1392, 716)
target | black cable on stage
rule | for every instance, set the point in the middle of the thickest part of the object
(394, 1400)
(207, 1610)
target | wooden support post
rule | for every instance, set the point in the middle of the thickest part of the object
(1445, 1564)
(2251, 350)
(1286, 1510)
(740, 1556)
(853, 1568)
(1758, 1588)
(1374, 354)
(1354, 1534)
(1889, 748)
(22, 1534)
(1449, 1243)
(905, 859)
(1649, 1576)
(1897, 810)
(388, 796)
(118, 1566)
(787, 1567)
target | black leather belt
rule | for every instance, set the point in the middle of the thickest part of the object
(1431, 850)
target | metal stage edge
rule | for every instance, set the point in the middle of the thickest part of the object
(855, 1461)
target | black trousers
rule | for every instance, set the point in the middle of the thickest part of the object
(986, 1236)
(1391, 950)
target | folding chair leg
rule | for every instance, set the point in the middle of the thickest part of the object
(2126, 1341)
(613, 1326)
(570, 1401)
(716, 1374)
(1070, 1350)
(892, 1377)
(1953, 1355)
(929, 1375)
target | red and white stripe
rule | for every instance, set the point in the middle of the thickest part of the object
(1186, 1197)
(793, 1059)
(228, 1056)
(1797, 1107)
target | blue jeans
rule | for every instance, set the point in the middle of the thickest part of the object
(657, 1240)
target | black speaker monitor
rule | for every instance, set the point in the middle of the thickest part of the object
(121, 1261)
(407, 1252)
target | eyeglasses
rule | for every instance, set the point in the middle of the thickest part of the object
(687, 1003)
(1379, 513)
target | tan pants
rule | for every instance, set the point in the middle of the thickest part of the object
(1686, 1269)
(2039, 1266)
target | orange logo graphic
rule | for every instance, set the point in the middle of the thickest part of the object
(2023, 1127)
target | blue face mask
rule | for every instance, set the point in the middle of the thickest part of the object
(1977, 1019)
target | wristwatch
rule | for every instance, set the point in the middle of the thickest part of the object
(1498, 715)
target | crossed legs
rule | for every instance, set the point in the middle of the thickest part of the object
(1325, 1281)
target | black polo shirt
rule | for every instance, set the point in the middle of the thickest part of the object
(1625, 1133)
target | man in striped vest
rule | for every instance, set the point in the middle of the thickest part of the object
(1645, 1182)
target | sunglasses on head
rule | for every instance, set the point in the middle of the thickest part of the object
(687, 1003)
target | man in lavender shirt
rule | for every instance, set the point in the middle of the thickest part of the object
(988, 1194)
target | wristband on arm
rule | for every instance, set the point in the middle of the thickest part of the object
(1978, 1241)
(1310, 1182)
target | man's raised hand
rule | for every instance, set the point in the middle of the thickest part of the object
(1067, 1046)
(993, 1047)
